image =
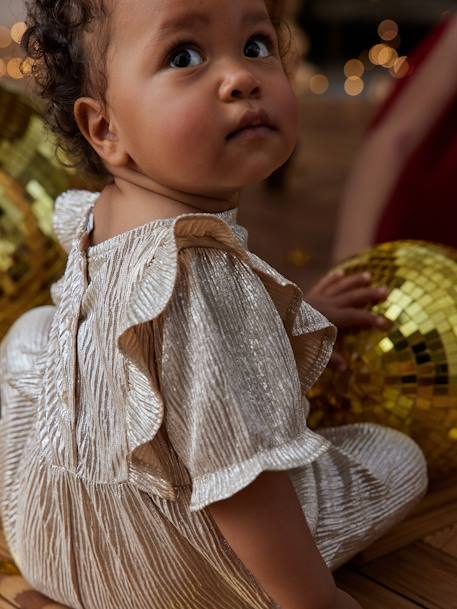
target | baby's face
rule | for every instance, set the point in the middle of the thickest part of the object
(177, 92)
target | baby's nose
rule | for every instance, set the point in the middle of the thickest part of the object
(238, 84)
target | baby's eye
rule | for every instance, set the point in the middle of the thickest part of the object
(185, 57)
(259, 46)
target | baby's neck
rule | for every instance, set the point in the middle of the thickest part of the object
(124, 205)
(162, 201)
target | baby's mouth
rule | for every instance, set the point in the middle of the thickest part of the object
(253, 130)
(252, 133)
(254, 123)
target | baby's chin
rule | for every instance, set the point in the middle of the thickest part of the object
(254, 173)
(224, 182)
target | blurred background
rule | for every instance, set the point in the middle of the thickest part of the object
(380, 33)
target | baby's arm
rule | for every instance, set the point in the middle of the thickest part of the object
(265, 525)
(234, 408)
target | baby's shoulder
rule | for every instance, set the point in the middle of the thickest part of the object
(191, 254)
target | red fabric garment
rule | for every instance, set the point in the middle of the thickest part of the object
(423, 204)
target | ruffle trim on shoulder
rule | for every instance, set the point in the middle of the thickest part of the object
(311, 335)
(70, 209)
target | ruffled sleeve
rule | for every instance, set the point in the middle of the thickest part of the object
(231, 387)
(235, 348)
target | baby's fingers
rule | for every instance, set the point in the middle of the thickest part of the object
(358, 318)
(359, 297)
(327, 280)
(347, 283)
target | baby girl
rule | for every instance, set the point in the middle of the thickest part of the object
(154, 446)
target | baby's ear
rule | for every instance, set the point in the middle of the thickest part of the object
(95, 126)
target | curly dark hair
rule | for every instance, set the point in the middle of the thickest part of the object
(69, 63)
(58, 43)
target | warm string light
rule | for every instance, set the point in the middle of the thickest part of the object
(17, 31)
(319, 84)
(388, 30)
(382, 54)
(354, 86)
(354, 67)
(400, 68)
(13, 68)
(13, 65)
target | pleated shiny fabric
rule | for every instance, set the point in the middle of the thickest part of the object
(170, 373)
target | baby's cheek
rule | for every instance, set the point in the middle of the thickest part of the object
(288, 110)
(186, 132)
(186, 125)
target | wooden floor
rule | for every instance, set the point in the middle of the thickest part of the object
(415, 565)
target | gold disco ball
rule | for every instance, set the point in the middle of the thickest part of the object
(31, 178)
(404, 377)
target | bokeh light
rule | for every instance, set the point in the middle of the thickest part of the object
(2, 68)
(354, 86)
(387, 57)
(299, 257)
(319, 84)
(13, 68)
(388, 30)
(17, 31)
(400, 68)
(354, 67)
(375, 52)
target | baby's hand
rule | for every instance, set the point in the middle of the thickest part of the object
(344, 301)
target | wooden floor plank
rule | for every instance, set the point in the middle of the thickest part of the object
(445, 540)
(4, 604)
(419, 572)
(443, 482)
(371, 595)
(16, 591)
(440, 492)
(438, 510)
